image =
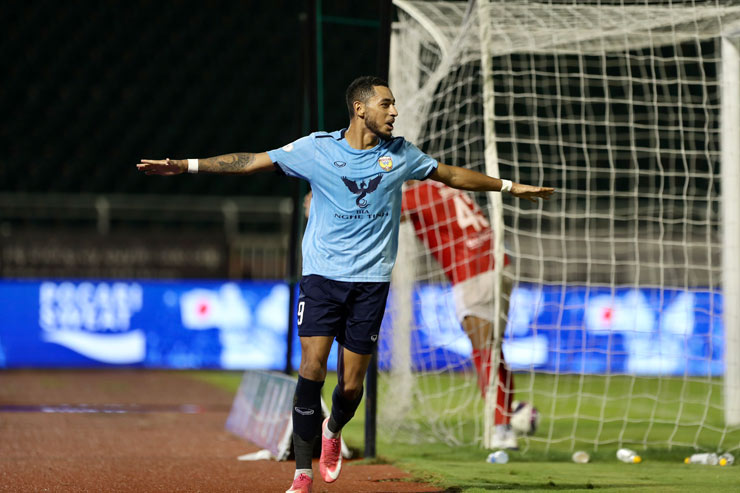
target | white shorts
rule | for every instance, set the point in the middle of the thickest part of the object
(475, 296)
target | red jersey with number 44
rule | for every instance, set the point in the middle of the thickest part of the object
(452, 226)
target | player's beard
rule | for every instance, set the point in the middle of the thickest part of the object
(374, 128)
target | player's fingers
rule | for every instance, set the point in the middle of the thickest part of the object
(545, 192)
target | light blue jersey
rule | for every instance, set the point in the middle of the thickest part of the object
(352, 231)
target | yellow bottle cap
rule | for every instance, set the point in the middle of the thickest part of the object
(686, 460)
(723, 462)
(637, 459)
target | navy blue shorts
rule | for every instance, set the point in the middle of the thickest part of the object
(349, 311)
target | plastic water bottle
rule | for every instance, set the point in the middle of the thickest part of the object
(628, 456)
(498, 457)
(581, 457)
(709, 459)
(726, 459)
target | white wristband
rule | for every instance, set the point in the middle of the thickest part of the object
(506, 185)
(192, 165)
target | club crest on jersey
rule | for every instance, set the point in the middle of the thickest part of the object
(362, 189)
(386, 163)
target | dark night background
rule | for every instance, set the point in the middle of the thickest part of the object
(92, 87)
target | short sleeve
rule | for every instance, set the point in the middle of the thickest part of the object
(420, 165)
(295, 159)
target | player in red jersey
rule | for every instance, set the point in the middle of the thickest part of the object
(460, 238)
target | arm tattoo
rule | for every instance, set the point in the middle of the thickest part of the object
(228, 163)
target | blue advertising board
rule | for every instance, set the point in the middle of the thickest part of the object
(578, 329)
(177, 324)
(144, 323)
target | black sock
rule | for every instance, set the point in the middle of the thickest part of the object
(306, 420)
(303, 451)
(342, 409)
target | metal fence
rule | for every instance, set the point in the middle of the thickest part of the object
(135, 236)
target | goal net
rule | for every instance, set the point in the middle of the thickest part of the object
(615, 329)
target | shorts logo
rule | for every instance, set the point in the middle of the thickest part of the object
(303, 411)
(362, 189)
(288, 147)
(386, 163)
(340, 164)
(374, 337)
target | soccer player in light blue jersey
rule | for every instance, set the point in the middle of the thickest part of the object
(349, 248)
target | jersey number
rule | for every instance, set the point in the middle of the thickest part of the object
(467, 216)
(301, 306)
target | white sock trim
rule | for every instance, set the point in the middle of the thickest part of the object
(307, 472)
(328, 434)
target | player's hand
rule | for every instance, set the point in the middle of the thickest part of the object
(530, 192)
(164, 167)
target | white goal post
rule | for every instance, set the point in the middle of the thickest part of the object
(731, 220)
(624, 326)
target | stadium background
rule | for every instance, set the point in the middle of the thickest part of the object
(88, 90)
(91, 89)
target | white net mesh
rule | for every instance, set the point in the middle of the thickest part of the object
(615, 326)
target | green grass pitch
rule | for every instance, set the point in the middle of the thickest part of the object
(547, 467)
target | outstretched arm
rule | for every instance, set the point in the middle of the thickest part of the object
(467, 179)
(244, 163)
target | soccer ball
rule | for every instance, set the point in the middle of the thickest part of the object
(524, 418)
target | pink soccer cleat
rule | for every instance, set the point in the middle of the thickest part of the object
(330, 463)
(301, 484)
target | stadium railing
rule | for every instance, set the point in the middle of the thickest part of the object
(87, 235)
